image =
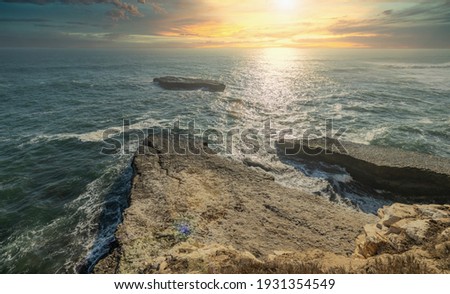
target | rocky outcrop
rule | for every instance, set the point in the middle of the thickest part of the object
(411, 177)
(192, 213)
(178, 83)
(201, 213)
(404, 227)
(419, 230)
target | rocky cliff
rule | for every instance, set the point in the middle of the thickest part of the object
(208, 214)
(418, 231)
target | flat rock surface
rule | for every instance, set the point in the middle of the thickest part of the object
(412, 177)
(181, 202)
(382, 156)
(393, 157)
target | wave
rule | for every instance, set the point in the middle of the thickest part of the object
(19, 245)
(329, 181)
(99, 217)
(94, 136)
(5, 139)
(5, 85)
(76, 237)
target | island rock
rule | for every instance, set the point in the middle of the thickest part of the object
(179, 83)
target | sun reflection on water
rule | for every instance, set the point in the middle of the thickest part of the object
(281, 84)
(276, 73)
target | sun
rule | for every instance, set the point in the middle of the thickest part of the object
(285, 4)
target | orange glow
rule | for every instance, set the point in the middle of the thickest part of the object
(275, 23)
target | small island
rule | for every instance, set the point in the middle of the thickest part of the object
(189, 84)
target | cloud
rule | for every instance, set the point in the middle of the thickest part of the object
(422, 25)
(121, 11)
(250, 23)
(418, 15)
(117, 14)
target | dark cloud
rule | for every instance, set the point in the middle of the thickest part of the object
(122, 9)
(175, 17)
(117, 14)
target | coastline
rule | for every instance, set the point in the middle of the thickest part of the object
(208, 214)
(63, 200)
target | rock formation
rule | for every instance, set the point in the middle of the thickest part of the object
(177, 83)
(208, 214)
(411, 177)
(205, 207)
(419, 230)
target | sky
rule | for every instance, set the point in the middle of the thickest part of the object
(225, 23)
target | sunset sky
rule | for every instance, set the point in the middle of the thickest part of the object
(225, 23)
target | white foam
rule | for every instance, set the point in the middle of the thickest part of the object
(365, 137)
(425, 120)
(94, 136)
(343, 178)
(85, 209)
(88, 207)
(28, 241)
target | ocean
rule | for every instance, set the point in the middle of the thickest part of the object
(61, 198)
